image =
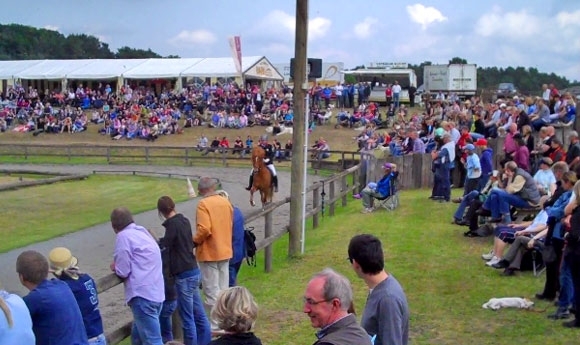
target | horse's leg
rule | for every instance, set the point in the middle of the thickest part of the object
(252, 190)
(264, 198)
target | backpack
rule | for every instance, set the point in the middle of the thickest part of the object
(250, 246)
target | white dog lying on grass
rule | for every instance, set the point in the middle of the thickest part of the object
(508, 302)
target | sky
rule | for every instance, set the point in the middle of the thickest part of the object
(541, 34)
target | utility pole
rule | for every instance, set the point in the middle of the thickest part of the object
(300, 121)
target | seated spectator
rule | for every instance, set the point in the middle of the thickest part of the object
(512, 261)
(215, 144)
(472, 202)
(557, 154)
(238, 145)
(235, 312)
(288, 149)
(56, 317)
(15, 321)
(201, 143)
(64, 266)
(521, 155)
(380, 190)
(322, 149)
(224, 145)
(545, 178)
(520, 191)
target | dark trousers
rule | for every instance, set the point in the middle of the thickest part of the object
(471, 184)
(471, 215)
(442, 184)
(574, 261)
(552, 285)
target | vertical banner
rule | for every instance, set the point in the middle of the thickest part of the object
(236, 48)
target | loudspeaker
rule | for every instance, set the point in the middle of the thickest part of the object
(314, 68)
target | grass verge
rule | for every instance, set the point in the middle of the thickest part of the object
(39, 213)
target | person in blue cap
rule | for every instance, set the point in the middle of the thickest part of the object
(473, 167)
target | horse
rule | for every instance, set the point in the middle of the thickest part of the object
(262, 178)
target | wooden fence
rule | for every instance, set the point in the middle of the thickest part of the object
(339, 187)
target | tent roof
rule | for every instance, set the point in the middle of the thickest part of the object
(375, 71)
(10, 68)
(104, 69)
(52, 69)
(219, 67)
(160, 68)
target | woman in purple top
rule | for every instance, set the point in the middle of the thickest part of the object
(522, 154)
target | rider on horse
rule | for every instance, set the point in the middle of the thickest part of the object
(269, 160)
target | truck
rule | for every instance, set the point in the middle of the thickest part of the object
(460, 79)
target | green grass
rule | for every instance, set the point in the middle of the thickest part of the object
(441, 271)
(39, 213)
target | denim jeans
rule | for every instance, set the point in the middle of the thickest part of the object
(196, 327)
(566, 297)
(165, 320)
(234, 269)
(466, 201)
(146, 328)
(499, 202)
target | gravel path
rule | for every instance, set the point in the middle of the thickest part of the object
(94, 246)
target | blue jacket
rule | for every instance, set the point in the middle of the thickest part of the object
(557, 211)
(384, 184)
(486, 162)
(85, 291)
(238, 243)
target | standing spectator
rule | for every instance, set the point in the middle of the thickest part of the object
(327, 94)
(572, 251)
(396, 93)
(137, 260)
(184, 269)
(56, 317)
(213, 241)
(473, 167)
(236, 312)
(441, 169)
(573, 154)
(486, 162)
(64, 266)
(170, 303)
(16, 325)
(327, 299)
(386, 313)
(412, 92)
(389, 95)
(238, 241)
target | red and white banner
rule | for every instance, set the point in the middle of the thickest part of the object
(236, 48)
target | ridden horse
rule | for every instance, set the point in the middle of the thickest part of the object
(262, 178)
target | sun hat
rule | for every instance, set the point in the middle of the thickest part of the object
(61, 259)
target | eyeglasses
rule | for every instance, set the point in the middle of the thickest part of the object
(311, 302)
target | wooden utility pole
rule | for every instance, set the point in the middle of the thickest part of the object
(300, 121)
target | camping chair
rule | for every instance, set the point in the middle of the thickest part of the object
(391, 202)
(538, 266)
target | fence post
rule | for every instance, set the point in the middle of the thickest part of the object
(186, 156)
(224, 161)
(108, 154)
(68, 152)
(176, 326)
(343, 188)
(147, 154)
(26, 152)
(315, 204)
(268, 249)
(331, 197)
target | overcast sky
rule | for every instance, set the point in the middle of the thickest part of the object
(543, 34)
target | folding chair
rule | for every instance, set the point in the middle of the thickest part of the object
(537, 267)
(391, 202)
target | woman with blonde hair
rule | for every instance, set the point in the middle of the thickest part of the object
(235, 312)
(15, 321)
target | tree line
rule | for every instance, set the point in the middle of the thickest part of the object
(21, 42)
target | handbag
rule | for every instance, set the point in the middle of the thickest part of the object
(549, 254)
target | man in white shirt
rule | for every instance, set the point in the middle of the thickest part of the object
(546, 93)
(338, 92)
(396, 93)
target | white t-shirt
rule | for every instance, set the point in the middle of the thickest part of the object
(396, 88)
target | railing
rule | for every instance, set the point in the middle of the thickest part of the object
(131, 154)
(318, 190)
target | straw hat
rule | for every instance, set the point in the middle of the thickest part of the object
(61, 259)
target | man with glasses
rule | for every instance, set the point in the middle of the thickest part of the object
(386, 313)
(327, 299)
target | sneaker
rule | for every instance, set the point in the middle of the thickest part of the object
(367, 210)
(488, 256)
(357, 196)
(560, 314)
(493, 261)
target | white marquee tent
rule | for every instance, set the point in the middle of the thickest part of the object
(160, 68)
(9, 68)
(51, 69)
(104, 69)
(257, 67)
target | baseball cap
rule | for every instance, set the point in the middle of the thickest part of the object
(469, 147)
(481, 142)
(387, 166)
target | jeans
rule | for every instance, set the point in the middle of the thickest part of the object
(574, 263)
(499, 202)
(483, 182)
(98, 340)
(146, 328)
(165, 320)
(234, 269)
(466, 201)
(196, 328)
(566, 297)
(396, 99)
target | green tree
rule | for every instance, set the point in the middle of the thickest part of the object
(132, 53)
(458, 60)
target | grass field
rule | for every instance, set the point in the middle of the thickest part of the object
(441, 271)
(39, 213)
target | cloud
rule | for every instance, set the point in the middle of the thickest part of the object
(278, 22)
(203, 37)
(425, 16)
(515, 25)
(566, 19)
(365, 28)
(51, 27)
(277, 49)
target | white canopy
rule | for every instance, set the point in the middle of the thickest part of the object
(160, 68)
(103, 69)
(51, 69)
(252, 66)
(8, 69)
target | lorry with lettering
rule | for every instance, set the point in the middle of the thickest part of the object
(460, 79)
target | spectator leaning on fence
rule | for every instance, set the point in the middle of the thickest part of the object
(15, 321)
(137, 260)
(56, 317)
